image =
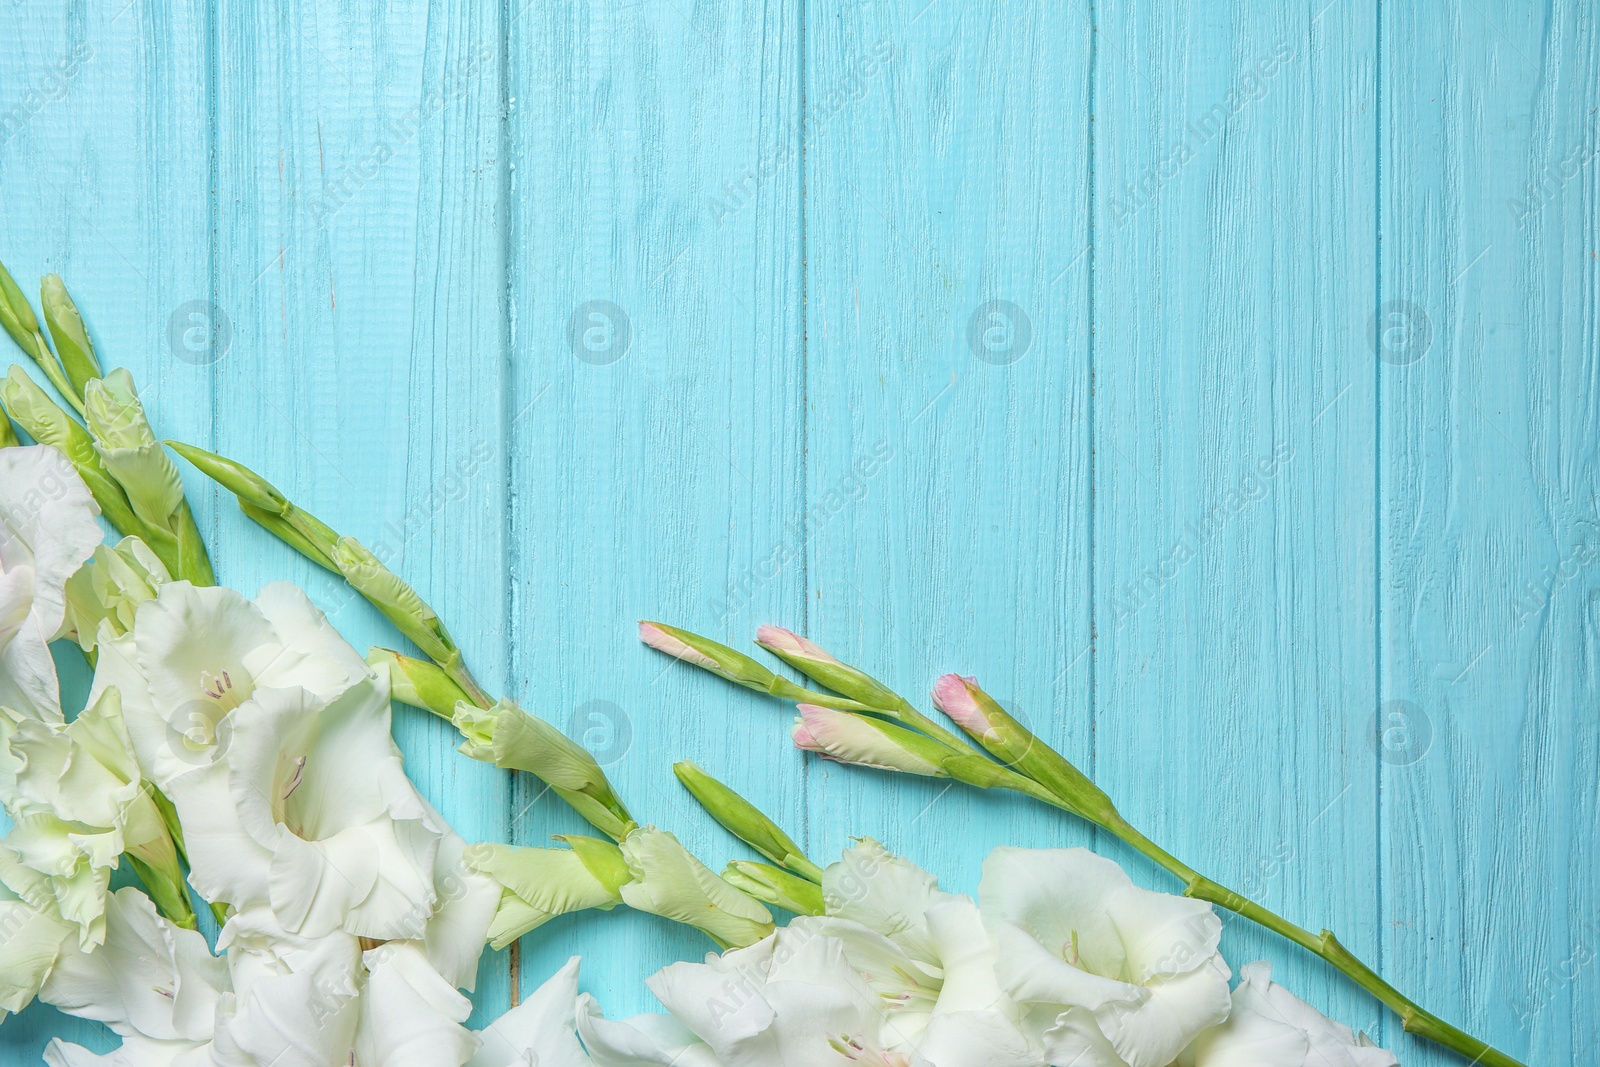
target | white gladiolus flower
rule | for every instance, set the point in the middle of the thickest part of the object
(309, 812)
(544, 1026)
(1271, 1027)
(1129, 976)
(30, 942)
(150, 978)
(410, 1017)
(196, 654)
(47, 530)
(928, 956)
(790, 1000)
(646, 1041)
(75, 793)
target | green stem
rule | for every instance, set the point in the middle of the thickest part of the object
(1412, 1016)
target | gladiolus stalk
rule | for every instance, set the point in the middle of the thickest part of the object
(1017, 759)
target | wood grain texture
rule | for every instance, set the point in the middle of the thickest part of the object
(584, 313)
(1234, 457)
(1488, 494)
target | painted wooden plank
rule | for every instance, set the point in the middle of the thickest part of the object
(1233, 478)
(656, 413)
(948, 391)
(359, 262)
(103, 159)
(1488, 530)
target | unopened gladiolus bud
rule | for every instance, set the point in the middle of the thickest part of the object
(261, 501)
(8, 435)
(236, 478)
(668, 881)
(868, 741)
(537, 884)
(507, 736)
(67, 331)
(18, 319)
(710, 655)
(47, 424)
(1012, 743)
(775, 886)
(821, 667)
(419, 683)
(745, 821)
(950, 695)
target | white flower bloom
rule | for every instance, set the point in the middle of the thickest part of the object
(108, 589)
(790, 1000)
(47, 530)
(79, 804)
(30, 941)
(196, 654)
(1271, 1027)
(150, 978)
(543, 1026)
(643, 1041)
(928, 956)
(1127, 976)
(295, 1000)
(309, 811)
(410, 1016)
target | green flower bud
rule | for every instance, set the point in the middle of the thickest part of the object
(774, 886)
(8, 435)
(419, 683)
(72, 342)
(16, 316)
(47, 424)
(108, 589)
(668, 881)
(236, 478)
(507, 736)
(537, 884)
(745, 821)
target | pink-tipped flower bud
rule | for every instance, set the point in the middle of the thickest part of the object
(788, 643)
(867, 741)
(821, 666)
(952, 694)
(707, 654)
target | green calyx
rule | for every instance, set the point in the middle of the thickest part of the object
(419, 683)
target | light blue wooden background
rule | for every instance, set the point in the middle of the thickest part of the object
(1216, 516)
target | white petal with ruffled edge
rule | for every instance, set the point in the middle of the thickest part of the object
(544, 1026)
(411, 1017)
(47, 531)
(1075, 932)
